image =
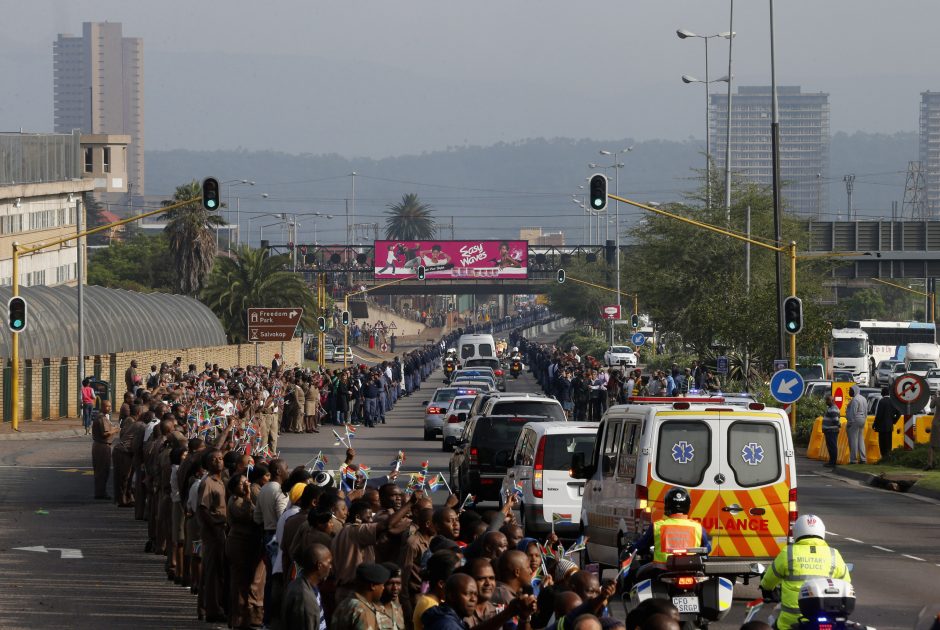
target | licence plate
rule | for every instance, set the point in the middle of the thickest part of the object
(686, 604)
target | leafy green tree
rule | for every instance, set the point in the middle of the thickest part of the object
(409, 220)
(190, 230)
(254, 279)
(142, 263)
(865, 304)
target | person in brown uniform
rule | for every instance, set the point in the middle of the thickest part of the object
(102, 433)
(243, 551)
(122, 458)
(144, 417)
(212, 513)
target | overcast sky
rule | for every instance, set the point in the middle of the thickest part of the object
(386, 77)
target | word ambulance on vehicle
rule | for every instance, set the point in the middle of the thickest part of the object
(736, 461)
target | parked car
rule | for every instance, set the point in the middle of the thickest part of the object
(455, 419)
(340, 351)
(329, 350)
(481, 455)
(540, 464)
(620, 355)
(883, 372)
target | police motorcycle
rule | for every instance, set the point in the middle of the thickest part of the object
(450, 365)
(515, 363)
(700, 598)
(825, 604)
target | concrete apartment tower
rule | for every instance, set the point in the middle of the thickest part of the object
(804, 143)
(99, 88)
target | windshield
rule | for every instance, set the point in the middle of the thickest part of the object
(461, 404)
(887, 365)
(921, 366)
(810, 372)
(490, 363)
(621, 350)
(560, 448)
(552, 410)
(849, 348)
(444, 395)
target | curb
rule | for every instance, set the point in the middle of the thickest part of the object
(867, 479)
(42, 435)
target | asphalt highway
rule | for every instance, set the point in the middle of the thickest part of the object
(46, 503)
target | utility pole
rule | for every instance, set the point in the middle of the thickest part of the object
(778, 231)
(849, 186)
(728, 129)
(80, 277)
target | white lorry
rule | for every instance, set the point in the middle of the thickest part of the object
(851, 351)
(920, 358)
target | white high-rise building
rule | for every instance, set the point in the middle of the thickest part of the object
(804, 142)
(99, 89)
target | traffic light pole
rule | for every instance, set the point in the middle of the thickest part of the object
(789, 249)
(15, 290)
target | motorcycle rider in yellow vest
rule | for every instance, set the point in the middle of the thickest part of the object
(809, 556)
(675, 531)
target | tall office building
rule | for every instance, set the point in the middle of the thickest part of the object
(99, 89)
(804, 142)
(930, 149)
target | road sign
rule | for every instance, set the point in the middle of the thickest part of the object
(910, 393)
(638, 339)
(273, 324)
(384, 347)
(611, 311)
(786, 386)
(838, 396)
(393, 326)
(722, 362)
(781, 364)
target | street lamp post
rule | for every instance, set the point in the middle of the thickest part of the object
(617, 166)
(238, 215)
(685, 34)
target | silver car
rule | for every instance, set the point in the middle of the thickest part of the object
(883, 372)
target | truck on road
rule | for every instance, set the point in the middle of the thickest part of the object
(852, 352)
(920, 358)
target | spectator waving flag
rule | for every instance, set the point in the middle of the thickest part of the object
(436, 482)
(561, 519)
(625, 564)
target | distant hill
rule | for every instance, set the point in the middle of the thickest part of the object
(492, 191)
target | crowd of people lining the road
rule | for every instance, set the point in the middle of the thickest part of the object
(260, 542)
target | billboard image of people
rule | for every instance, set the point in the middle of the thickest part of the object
(452, 260)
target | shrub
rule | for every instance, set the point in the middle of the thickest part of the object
(909, 459)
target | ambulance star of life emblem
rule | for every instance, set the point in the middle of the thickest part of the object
(683, 452)
(752, 453)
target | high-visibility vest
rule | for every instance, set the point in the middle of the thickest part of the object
(670, 534)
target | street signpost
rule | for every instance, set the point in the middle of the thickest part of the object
(909, 395)
(781, 364)
(273, 324)
(611, 311)
(787, 386)
(722, 362)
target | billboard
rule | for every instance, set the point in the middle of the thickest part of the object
(452, 260)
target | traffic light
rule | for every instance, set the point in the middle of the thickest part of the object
(598, 192)
(17, 311)
(421, 272)
(210, 194)
(635, 320)
(345, 318)
(561, 276)
(321, 323)
(793, 314)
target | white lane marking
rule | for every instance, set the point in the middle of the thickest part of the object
(883, 548)
(828, 533)
(808, 475)
(913, 557)
(855, 540)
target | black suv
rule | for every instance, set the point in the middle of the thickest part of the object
(481, 456)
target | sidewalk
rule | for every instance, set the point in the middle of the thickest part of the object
(867, 473)
(42, 429)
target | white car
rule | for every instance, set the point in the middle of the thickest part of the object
(620, 355)
(435, 408)
(455, 418)
(340, 351)
(328, 351)
(539, 468)
(933, 380)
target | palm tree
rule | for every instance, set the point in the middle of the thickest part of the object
(190, 230)
(252, 279)
(409, 220)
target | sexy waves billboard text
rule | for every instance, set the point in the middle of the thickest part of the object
(451, 260)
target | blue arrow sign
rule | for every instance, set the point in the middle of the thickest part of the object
(638, 339)
(787, 386)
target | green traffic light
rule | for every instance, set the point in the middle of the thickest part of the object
(17, 323)
(598, 202)
(211, 203)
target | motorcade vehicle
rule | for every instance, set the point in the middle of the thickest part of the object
(620, 355)
(456, 417)
(491, 364)
(435, 407)
(738, 464)
(538, 472)
(515, 367)
(476, 346)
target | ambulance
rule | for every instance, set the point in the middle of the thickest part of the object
(737, 462)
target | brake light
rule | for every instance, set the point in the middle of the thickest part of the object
(538, 469)
(435, 410)
(498, 372)
(681, 405)
(641, 494)
(755, 406)
(453, 419)
(793, 513)
(474, 456)
(686, 581)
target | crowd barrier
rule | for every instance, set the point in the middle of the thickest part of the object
(817, 443)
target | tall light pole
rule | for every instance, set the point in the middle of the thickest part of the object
(685, 34)
(728, 128)
(617, 165)
(238, 215)
(775, 152)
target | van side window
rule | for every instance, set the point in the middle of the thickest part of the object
(594, 462)
(754, 453)
(485, 350)
(466, 351)
(626, 465)
(683, 452)
(611, 447)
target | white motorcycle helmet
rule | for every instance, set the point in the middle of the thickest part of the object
(515, 349)
(809, 525)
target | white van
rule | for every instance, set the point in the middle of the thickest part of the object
(737, 462)
(540, 465)
(475, 347)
